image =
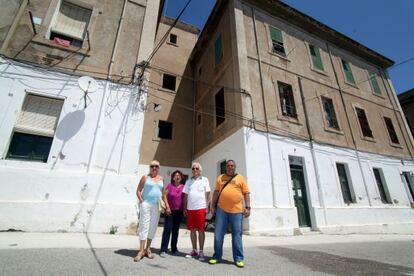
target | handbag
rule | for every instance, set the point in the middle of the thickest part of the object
(162, 208)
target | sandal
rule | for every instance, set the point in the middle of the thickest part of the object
(138, 257)
(149, 254)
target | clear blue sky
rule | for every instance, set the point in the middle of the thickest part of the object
(386, 26)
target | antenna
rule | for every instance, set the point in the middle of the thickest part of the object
(87, 85)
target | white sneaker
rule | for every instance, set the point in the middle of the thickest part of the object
(163, 254)
(201, 256)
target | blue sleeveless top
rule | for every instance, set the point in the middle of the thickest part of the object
(152, 191)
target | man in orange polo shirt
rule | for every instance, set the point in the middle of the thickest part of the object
(231, 189)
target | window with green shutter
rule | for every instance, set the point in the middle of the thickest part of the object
(348, 72)
(374, 83)
(277, 41)
(218, 50)
(316, 57)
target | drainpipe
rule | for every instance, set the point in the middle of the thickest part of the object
(269, 150)
(13, 26)
(194, 113)
(315, 163)
(349, 125)
(110, 67)
(397, 102)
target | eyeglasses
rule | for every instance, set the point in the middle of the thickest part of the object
(195, 169)
(154, 166)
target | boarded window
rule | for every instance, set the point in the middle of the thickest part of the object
(35, 128)
(220, 107)
(348, 72)
(218, 50)
(222, 167)
(71, 22)
(287, 101)
(330, 114)
(379, 178)
(165, 130)
(316, 57)
(363, 122)
(277, 41)
(391, 130)
(342, 170)
(168, 82)
(173, 38)
(374, 83)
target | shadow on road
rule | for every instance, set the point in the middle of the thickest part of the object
(338, 265)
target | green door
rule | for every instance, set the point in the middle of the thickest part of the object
(299, 195)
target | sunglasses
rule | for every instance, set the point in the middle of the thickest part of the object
(195, 169)
(154, 166)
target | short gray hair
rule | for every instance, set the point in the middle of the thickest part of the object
(198, 165)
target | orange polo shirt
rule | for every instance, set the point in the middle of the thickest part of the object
(231, 198)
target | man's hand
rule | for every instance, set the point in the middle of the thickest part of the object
(185, 212)
(212, 210)
(246, 213)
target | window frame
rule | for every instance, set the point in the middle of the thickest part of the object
(319, 51)
(368, 138)
(217, 116)
(352, 197)
(344, 70)
(280, 104)
(219, 166)
(326, 123)
(171, 131)
(54, 17)
(398, 143)
(164, 76)
(271, 42)
(371, 76)
(176, 39)
(218, 60)
(387, 196)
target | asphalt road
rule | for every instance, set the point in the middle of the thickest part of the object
(317, 255)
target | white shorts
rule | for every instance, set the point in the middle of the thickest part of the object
(149, 216)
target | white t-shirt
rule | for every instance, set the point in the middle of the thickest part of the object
(196, 190)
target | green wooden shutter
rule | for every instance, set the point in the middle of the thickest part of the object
(218, 50)
(276, 35)
(316, 57)
(348, 72)
(374, 83)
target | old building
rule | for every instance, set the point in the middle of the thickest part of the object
(69, 150)
(309, 115)
(407, 104)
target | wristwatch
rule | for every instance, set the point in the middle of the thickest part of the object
(247, 207)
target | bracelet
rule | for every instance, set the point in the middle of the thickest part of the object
(247, 207)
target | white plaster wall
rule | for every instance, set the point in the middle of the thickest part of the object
(273, 209)
(93, 158)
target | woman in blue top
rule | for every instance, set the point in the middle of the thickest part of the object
(149, 194)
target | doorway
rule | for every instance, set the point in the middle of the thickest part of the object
(299, 190)
(409, 181)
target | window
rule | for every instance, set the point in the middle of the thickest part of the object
(164, 130)
(222, 166)
(343, 174)
(173, 38)
(287, 101)
(330, 115)
(199, 72)
(218, 51)
(168, 82)
(391, 130)
(348, 72)
(277, 41)
(199, 119)
(363, 122)
(374, 83)
(409, 182)
(316, 57)
(35, 128)
(220, 107)
(71, 24)
(379, 178)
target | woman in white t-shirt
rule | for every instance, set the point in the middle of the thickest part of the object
(196, 200)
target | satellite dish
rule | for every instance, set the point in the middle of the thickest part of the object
(87, 84)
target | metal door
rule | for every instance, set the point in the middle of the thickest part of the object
(299, 195)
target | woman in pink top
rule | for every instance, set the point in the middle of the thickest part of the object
(173, 197)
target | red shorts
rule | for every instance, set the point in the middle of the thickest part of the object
(196, 219)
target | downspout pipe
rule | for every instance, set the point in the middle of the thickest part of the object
(349, 125)
(269, 149)
(312, 149)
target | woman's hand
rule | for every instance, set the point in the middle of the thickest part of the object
(168, 211)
